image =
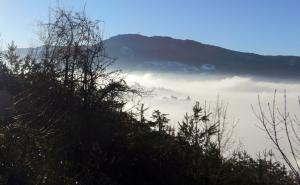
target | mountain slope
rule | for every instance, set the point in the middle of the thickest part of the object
(165, 54)
(138, 52)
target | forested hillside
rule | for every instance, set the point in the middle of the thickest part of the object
(166, 54)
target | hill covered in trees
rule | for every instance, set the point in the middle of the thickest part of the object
(165, 54)
(68, 124)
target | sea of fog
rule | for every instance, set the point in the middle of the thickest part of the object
(175, 94)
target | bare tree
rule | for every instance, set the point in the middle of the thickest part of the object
(74, 53)
(225, 126)
(282, 129)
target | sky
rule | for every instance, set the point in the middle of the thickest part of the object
(269, 27)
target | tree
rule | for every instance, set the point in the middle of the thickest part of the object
(12, 59)
(29, 65)
(282, 129)
(1, 62)
(74, 52)
(67, 99)
(3, 67)
(225, 127)
(160, 120)
(195, 128)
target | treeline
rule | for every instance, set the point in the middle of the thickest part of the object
(68, 124)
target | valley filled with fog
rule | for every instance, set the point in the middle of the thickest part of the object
(175, 95)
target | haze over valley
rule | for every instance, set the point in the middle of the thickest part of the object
(181, 72)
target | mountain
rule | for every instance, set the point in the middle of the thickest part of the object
(138, 52)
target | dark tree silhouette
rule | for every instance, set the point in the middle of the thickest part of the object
(12, 59)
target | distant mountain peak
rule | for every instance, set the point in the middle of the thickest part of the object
(136, 51)
(167, 54)
(155, 37)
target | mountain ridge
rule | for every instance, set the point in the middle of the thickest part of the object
(197, 42)
(138, 52)
(135, 52)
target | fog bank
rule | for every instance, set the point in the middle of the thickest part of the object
(176, 95)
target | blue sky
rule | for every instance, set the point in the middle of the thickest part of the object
(260, 26)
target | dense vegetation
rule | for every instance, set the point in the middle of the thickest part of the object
(68, 125)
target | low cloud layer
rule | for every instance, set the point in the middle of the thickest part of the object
(182, 83)
(171, 92)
